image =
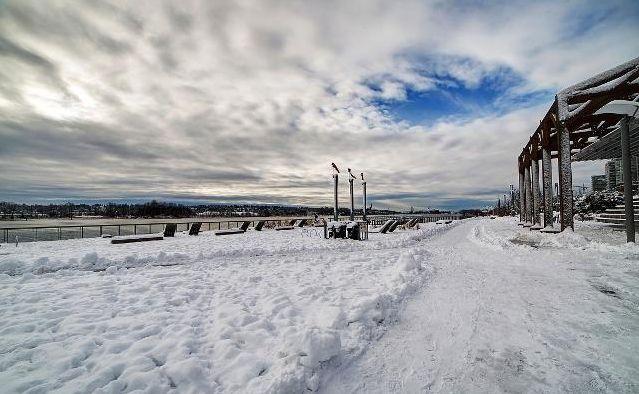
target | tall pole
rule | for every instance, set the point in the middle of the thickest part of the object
(351, 178)
(364, 198)
(627, 180)
(336, 208)
(350, 185)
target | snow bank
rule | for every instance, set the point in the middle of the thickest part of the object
(481, 237)
(97, 254)
(259, 312)
(565, 239)
(597, 239)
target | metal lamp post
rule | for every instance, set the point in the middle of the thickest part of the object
(629, 109)
(364, 197)
(350, 185)
(335, 201)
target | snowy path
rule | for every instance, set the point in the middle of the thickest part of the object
(498, 316)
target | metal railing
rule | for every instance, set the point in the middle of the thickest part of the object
(52, 233)
(424, 218)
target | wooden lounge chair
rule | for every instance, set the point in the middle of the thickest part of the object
(394, 226)
(195, 228)
(169, 229)
(384, 228)
(240, 230)
(412, 222)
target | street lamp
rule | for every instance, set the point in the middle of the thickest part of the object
(335, 202)
(350, 185)
(364, 196)
(629, 109)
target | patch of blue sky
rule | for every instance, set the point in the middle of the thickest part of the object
(497, 93)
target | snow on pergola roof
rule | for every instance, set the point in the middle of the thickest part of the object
(575, 108)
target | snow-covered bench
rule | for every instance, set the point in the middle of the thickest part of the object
(240, 230)
(136, 238)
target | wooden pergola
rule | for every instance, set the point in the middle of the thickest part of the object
(569, 126)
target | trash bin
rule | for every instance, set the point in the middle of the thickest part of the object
(352, 230)
(336, 230)
(340, 231)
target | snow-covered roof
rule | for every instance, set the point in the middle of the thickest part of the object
(575, 107)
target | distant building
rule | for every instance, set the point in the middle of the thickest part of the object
(614, 172)
(611, 175)
(598, 183)
(634, 165)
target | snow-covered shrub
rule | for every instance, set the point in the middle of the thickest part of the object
(596, 202)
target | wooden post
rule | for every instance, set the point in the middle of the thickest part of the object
(546, 165)
(528, 205)
(534, 166)
(522, 195)
(565, 177)
(627, 180)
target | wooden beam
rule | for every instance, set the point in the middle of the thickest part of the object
(602, 78)
(597, 90)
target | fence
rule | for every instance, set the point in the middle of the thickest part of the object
(424, 218)
(51, 233)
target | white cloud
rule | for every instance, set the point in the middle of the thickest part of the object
(149, 98)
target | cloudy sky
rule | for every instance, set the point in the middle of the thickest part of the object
(252, 100)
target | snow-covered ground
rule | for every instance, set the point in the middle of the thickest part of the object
(479, 305)
(509, 310)
(255, 312)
